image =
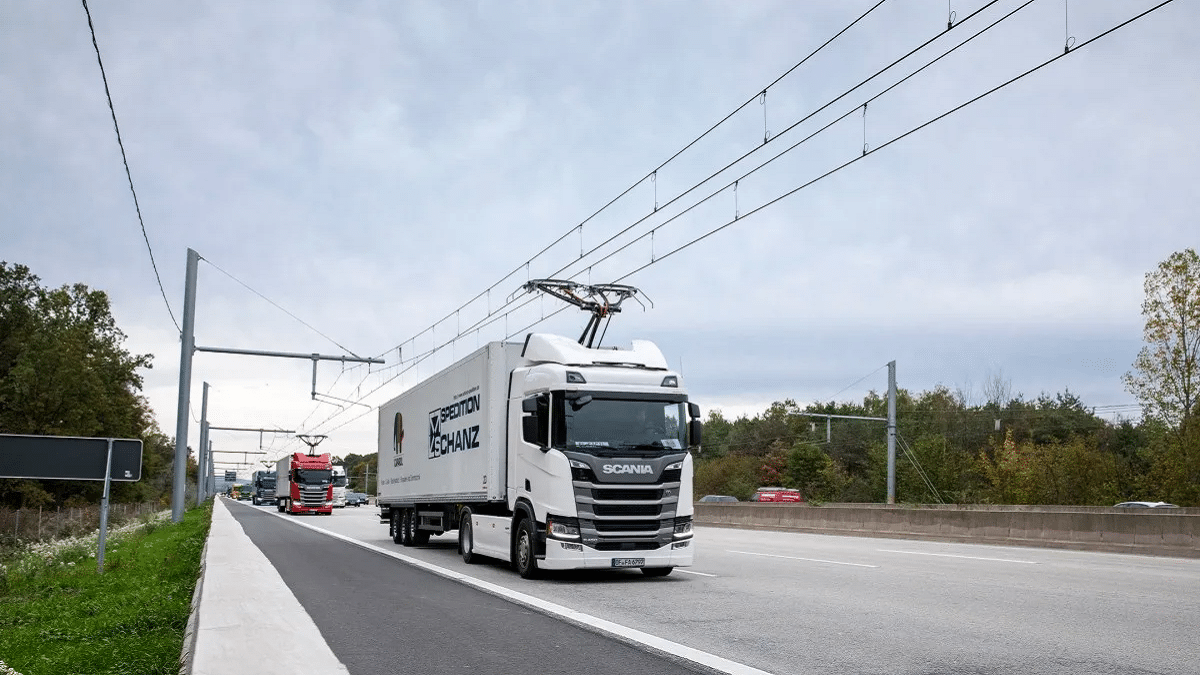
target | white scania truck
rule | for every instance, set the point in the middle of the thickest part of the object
(546, 454)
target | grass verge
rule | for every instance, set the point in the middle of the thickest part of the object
(58, 616)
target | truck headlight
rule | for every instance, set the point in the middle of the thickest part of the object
(683, 527)
(674, 465)
(561, 527)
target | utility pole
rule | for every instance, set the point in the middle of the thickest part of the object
(891, 434)
(187, 350)
(202, 456)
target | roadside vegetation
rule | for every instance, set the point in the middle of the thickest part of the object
(59, 615)
(992, 447)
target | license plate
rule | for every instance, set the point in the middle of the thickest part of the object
(629, 562)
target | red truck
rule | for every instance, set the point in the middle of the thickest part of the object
(304, 484)
(776, 494)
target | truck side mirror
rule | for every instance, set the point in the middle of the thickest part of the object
(535, 425)
(693, 410)
(694, 429)
(529, 429)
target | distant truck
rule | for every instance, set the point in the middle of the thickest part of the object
(545, 454)
(304, 484)
(777, 494)
(262, 488)
(339, 486)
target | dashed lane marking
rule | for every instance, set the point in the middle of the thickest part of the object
(792, 557)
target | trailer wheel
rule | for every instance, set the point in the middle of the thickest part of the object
(397, 529)
(280, 505)
(525, 559)
(406, 525)
(466, 540)
(657, 571)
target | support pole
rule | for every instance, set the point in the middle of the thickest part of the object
(891, 434)
(104, 510)
(202, 456)
(186, 349)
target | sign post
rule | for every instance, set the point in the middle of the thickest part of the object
(104, 510)
(73, 458)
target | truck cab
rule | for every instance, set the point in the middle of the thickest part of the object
(599, 459)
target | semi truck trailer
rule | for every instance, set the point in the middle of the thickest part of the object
(339, 486)
(304, 484)
(546, 454)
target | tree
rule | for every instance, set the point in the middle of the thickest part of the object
(810, 470)
(1166, 375)
(64, 372)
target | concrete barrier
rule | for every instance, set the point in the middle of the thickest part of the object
(1171, 532)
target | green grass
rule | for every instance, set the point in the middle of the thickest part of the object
(58, 616)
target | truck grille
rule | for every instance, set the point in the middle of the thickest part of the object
(617, 494)
(313, 496)
(601, 509)
(627, 517)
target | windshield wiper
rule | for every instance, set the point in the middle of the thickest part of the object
(653, 445)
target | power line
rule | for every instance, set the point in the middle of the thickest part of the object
(650, 175)
(772, 202)
(872, 151)
(125, 160)
(280, 308)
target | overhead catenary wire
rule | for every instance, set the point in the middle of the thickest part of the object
(653, 174)
(758, 148)
(891, 142)
(125, 160)
(663, 256)
(280, 308)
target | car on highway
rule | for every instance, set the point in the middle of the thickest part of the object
(718, 498)
(1145, 505)
(356, 498)
(776, 494)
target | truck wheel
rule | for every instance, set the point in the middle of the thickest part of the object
(466, 540)
(406, 527)
(397, 530)
(657, 571)
(525, 559)
(280, 505)
(254, 500)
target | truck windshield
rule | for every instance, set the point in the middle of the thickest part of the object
(313, 476)
(339, 480)
(590, 423)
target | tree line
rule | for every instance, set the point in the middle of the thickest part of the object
(64, 371)
(1009, 450)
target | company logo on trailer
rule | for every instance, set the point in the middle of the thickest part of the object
(398, 440)
(444, 440)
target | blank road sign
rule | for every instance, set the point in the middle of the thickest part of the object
(68, 458)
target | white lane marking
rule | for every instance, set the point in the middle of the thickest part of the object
(699, 574)
(790, 557)
(632, 634)
(964, 557)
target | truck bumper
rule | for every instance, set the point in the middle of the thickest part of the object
(563, 555)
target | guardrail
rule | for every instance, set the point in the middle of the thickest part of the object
(1173, 532)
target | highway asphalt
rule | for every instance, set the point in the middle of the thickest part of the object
(277, 597)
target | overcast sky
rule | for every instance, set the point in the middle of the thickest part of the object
(371, 167)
